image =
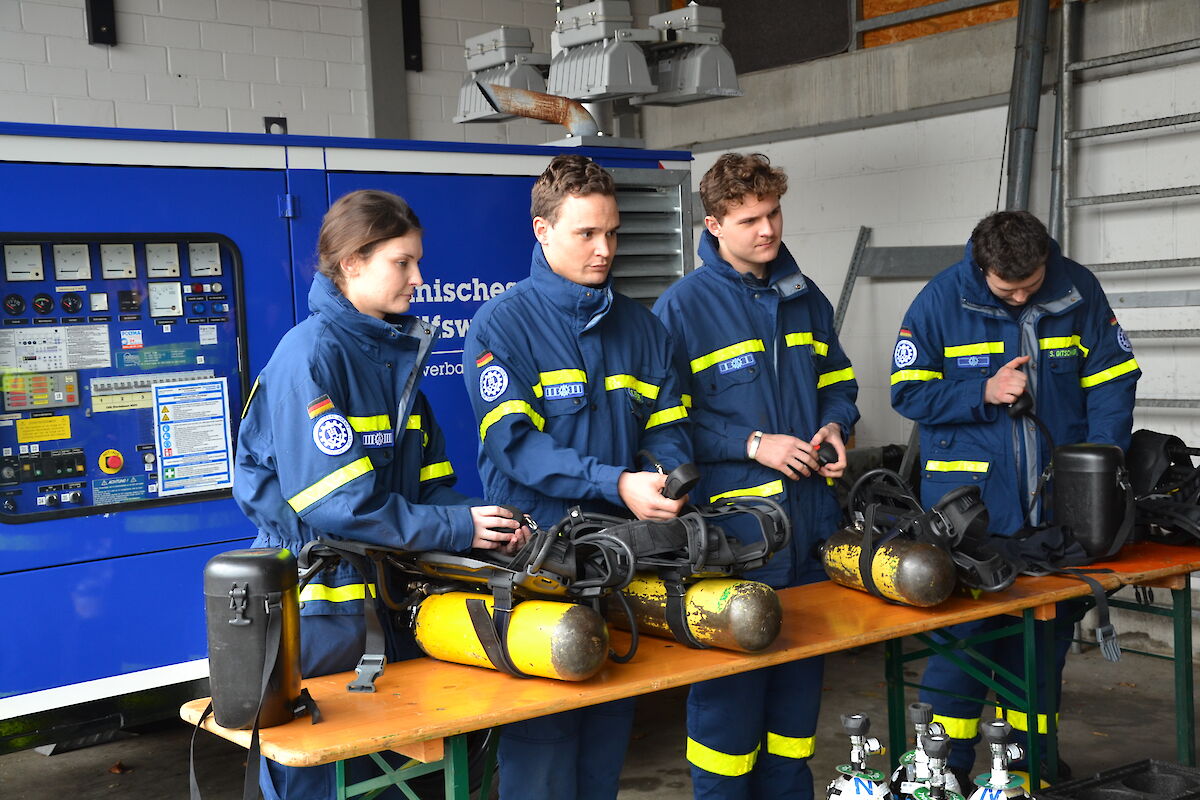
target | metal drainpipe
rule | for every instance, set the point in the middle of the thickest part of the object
(1024, 99)
(537, 105)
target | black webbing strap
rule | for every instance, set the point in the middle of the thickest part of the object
(866, 553)
(371, 664)
(272, 635)
(492, 629)
(677, 614)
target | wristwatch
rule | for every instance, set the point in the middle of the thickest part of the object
(755, 441)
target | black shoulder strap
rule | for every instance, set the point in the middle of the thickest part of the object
(492, 630)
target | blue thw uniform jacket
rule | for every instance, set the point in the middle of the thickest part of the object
(337, 442)
(760, 355)
(957, 334)
(568, 383)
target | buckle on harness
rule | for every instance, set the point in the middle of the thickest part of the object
(370, 667)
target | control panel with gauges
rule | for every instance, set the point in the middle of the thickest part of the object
(120, 362)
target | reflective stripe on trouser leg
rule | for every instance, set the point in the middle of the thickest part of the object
(960, 715)
(793, 702)
(574, 754)
(735, 722)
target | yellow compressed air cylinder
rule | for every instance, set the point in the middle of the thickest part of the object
(729, 613)
(549, 639)
(914, 573)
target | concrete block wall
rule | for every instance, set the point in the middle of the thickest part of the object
(928, 181)
(213, 65)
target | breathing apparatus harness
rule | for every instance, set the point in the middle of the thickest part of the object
(883, 507)
(585, 557)
(1167, 486)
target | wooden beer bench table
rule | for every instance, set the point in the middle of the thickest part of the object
(424, 708)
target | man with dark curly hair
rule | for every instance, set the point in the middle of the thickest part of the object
(1013, 317)
(770, 387)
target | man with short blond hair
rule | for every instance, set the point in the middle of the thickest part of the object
(569, 381)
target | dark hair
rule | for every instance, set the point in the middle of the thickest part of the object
(736, 175)
(1011, 245)
(356, 224)
(568, 175)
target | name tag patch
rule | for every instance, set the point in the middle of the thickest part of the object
(974, 361)
(736, 363)
(1064, 352)
(561, 391)
(377, 439)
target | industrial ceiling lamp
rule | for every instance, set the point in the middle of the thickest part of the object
(689, 64)
(596, 55)
(503, 57)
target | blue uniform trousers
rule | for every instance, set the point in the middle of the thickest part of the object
(752, 733)
(575, 755)
(328, 644)
(960, 714)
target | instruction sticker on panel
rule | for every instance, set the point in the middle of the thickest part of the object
(195, 452)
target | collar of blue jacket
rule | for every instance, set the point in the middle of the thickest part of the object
(324, 297)
(783, 273)
(584, 305)
(1055, 289)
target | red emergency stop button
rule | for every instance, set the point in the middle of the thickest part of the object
(111, 461)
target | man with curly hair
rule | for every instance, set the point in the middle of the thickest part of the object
(769, 387)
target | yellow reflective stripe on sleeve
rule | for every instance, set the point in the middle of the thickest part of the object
(630, 382)
(958, 727)
(765, 490)
(1061, 343)
(335, 594)
(837, 376)
(413, 423)
(791, 746)
(915, 375)
(719, 763)
(806, 337)
(666, 415)
(974, 349)
(506, 408)
(1107, 375)
(957, 466)
(1020, 720)
(250, 399)
(686, 399)
(332, 481)
(439, 470)
(558, 376)
(741, 348)
(378, 422)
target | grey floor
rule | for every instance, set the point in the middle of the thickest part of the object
(1113, 714)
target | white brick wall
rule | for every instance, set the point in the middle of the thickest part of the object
(218, 65)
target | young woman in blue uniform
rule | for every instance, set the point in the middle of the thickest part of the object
(336, 441)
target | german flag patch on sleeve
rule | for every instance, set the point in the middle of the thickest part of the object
(319, 406)
(484, 359)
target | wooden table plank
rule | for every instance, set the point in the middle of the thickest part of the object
(424, 700)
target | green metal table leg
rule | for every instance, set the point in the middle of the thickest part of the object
(1029, 688)
(1185, 704)
(893, 664)
(458, 778)
(1047, 668)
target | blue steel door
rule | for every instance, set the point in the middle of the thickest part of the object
(107, 594)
